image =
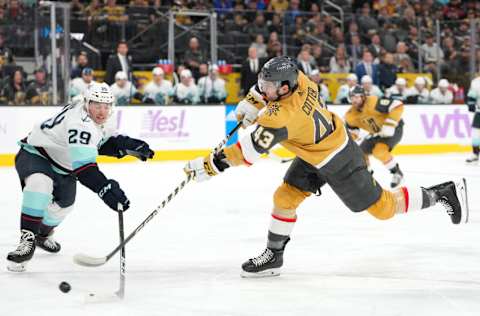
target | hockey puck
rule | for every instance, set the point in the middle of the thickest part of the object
(64, 287)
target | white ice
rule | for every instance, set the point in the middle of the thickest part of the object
(187, 260)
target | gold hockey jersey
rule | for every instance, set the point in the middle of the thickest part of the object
(301, 123)
(374, 114)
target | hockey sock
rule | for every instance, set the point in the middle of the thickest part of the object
(45, 230)
(476, 150)
(36, 197)
(418, 198)
(393, 166)
(279, 231)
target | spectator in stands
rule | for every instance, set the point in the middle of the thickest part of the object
(14, 91)
(365, 21)
(250, 69)
(401, 59)
(121, 61)
(82, 63)
(322, 88)
(293, 12)
(344, 89)
(370, 87)
(239, 23)
(116, 16)
(276, 24)
(433, 53)
(38, 92)
(93, 11)
(320, 33)
(124, 90)
(258, 27)
(321, 58)
(6, 56)
(79, 86)
(186, 92)
(277, 6)
(413, 43)
(387, 71)
(260, 45)
(275, 50)
(212, 88)
(77, 9)
(454, 10)
(339, 63)
(375, 48)
(398, 91)
(418, 94)
(194, 56)
(337, 36)
(367, 67)
(441, 94)
(158, 91)
(305, 61)
(352, 31)
(355, 50)
(203, 70)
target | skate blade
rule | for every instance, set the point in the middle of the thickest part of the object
(262, 274)
(461, 188)
(16, 267)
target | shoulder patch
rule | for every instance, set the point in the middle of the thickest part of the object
(273, 108)
(383, 105)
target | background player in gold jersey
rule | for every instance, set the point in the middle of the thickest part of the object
(285, 104)
(382, 119)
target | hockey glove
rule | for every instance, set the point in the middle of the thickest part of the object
(247, 109)
(137, 148)
(204, 168)
(471, 102)
(387, 131)
(113, 196)
(246, 112)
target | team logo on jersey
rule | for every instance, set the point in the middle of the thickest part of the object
(273, 108)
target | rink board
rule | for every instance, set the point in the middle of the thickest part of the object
(185, 132)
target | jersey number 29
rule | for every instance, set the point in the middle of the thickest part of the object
(75, 137)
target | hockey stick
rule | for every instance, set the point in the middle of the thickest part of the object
(121, 291)
(88, 261)
(120, 294)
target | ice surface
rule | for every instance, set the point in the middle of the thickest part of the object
(187, 260)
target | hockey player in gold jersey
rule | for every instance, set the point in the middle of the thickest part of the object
(382, 119)
(286, 107)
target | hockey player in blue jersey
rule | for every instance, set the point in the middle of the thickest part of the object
(57, 153)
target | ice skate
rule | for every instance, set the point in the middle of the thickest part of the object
(453, 196)
(48, 243)
(472, 160)
(267, 264)
(18, 259)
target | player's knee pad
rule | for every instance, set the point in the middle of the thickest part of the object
(39, 182)
(37, 194)
(288, 197)
(381, 152)
(55, 214)
(385, 207)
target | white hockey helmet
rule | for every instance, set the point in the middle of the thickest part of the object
(443, 83)
(99, 93)
(420, 81)
(401, 82)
